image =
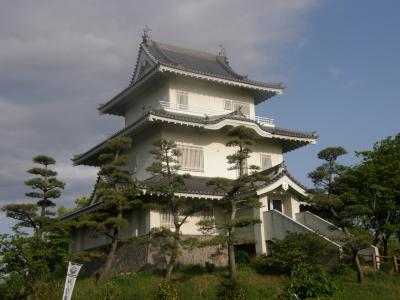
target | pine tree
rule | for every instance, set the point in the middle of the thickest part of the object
(117, 192)
(46, 188)
(165, 200)
(239, 195)
(335, 200)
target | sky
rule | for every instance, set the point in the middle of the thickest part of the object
(339, 61)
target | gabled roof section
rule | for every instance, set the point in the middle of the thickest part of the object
(158, 58)
(195, 61)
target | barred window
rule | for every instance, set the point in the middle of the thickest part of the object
(266, 161)
(191, 158)
(207, 214)
(182, 100)
(244, 107)
(228, 104)
(166, 219)
(235, 105)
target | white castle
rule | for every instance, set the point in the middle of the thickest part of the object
(191, 97)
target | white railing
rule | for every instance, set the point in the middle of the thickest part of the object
(201, 111)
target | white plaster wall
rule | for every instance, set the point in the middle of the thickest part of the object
(189, 227)
(209, 96)
(215, 151)
(140, 152)
(140, 104)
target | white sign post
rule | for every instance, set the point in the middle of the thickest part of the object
(73, 270)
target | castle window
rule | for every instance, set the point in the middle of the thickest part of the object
(265, 161)
(191, 158)
(235, 105)
(244, 107)
(228, 104)
(182, 100)
(207, 214)
(166, 220)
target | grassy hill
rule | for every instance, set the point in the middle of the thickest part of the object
(195, 283)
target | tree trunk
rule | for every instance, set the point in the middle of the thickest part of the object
(232, 262)
(356, 262)
(385, 240)
(170, 266)
(110, 257)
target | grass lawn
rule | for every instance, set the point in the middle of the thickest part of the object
(193, 283)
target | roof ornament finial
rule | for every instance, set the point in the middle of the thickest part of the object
(146, 34)
(222, 52)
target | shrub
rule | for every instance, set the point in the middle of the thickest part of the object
(230, 290)
(210, 267)
(242, 257)
(297, 248)
(108, 291)
(308, 281)
(342, 269)
(166, 291)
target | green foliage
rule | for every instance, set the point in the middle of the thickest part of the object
(80, 203)
(230, 290)
(109, 290)
(46, 187)
(242, 257)
(297, 248)
(166, 291)
(308, 281)
(26, 259)
(210, 267)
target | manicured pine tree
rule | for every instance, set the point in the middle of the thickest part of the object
(336, 200)
(239, 195)
(117, 192)
(46, 188)
(164, 199)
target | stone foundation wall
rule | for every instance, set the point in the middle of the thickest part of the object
(132, 257)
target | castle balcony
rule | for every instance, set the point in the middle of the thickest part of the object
(201, 111)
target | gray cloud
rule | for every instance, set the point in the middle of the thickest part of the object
(60, 59)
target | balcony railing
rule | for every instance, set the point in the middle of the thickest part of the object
(201, 111)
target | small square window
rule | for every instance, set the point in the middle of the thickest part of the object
(182, 100)
(228, 104)
(265, 161)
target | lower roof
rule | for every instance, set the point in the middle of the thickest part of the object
(198, 187)
(289, 139)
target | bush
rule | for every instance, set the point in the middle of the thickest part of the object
(230, 290)
(308, 281)
(166, 291)
(295, 249)
(242, 257)
(108, 291)
(342, 269)
(210, 267)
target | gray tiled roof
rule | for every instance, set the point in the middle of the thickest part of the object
(198, 184)
(276, 132)
(234, 116)
(195, 185)
(198, 62)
